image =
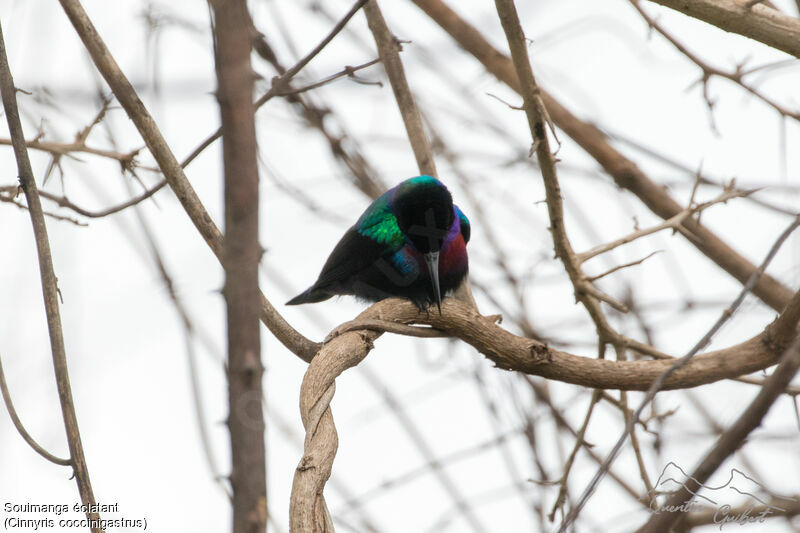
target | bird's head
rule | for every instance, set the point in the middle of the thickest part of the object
(424, 210)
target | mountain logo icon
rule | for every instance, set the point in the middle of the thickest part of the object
(741, 499)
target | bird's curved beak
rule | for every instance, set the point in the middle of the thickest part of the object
(432, 260)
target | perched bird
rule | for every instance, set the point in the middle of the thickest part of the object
(410, 242)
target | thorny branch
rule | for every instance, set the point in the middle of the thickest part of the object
(49, 290)
(730, 440)
(172, 170)
(625, 172)
(709, 71)
(281, 86)
(788, 319)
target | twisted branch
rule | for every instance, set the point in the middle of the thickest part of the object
(308, 511)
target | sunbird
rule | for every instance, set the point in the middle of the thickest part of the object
(411, 242)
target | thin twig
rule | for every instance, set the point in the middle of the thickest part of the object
(709, 71)
(347, 71)
(624, 171)
(49, 289)
(172, 170)
(729, 441)
(625, 265)
(674, 223)
(55, 216)
(674, 367)
(579, 443)
(388, 50)
(20, 428)
(423, 444)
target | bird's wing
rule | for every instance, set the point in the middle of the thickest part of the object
(376, 235)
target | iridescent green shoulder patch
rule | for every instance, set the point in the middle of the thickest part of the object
(379, 224)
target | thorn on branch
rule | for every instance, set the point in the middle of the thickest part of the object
(514, 107)
(400, 42)
(626, 265)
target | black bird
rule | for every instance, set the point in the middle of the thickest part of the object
(410, 242)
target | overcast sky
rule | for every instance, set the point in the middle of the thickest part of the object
(128, 358)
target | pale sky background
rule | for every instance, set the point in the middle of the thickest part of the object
(127, 349)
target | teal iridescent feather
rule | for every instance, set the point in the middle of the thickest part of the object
(379, 223)
(410, 242)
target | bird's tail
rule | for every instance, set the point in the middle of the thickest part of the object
(311, 295)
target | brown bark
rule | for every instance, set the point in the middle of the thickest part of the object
(624, 171)
(388, 50)
(758, 22)
(240, 258)
(730, 441)
(171, 168)
(49, 288)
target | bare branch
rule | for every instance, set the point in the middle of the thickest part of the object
(240, 258)
(172, 170)
(49, 289)
(758, 22)
(388, 50)
(675, 223)
(21, 429)
(709, 71)
(730, 440)
(786, 323)
(624, 171)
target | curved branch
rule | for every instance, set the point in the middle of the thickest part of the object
(308, 511)
(21, 429)
(49, 290)
(729, 441)
(530, 356)
(172, 170)
(758, 22)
